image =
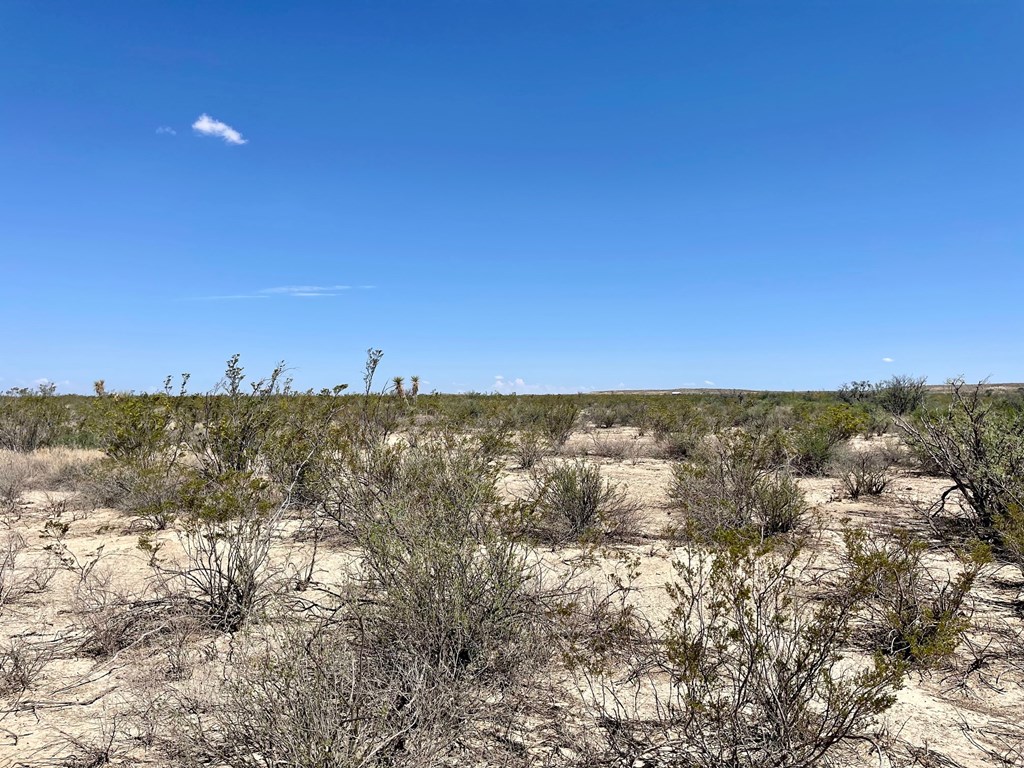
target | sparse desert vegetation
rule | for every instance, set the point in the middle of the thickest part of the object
(256, 576)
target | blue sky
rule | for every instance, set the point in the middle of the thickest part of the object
(574, 195)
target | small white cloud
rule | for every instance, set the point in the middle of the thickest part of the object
(709, 383)
(886, 359)
(166, 130)
(207, 126)
(40, 382)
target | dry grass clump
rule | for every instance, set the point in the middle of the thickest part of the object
(62, 469)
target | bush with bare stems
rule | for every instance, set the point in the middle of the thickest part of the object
(732, 484)
(862, 472)
(571, 501)
(978, 444)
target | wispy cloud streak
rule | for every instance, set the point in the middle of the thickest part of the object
(287, 291)
(306, 291)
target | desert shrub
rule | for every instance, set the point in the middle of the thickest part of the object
(15, 471)
(358, 481)
(528, 448)
(440, 472)
(31, 418)
(558, 420)
(573, 502)
(144, 439)
(866, 471)
(1009, 526)
(137, 429)
(304, 440)
(684, 442)
(232, 427)
(305, 700)
(150, 494)
(607, 416)
(732, 484)
(110, 620)
(12, 586)
(856, 392)
(781, 504)
(679, 446)
(659, 422)
(613, 447)
(814, 440)
(897, 395)
(61, 468)
(978, 446)
(220, 477)
(752, 670)
(876, 423)
(227, 526)
(900, 395)
(911, 612)
(494, 437)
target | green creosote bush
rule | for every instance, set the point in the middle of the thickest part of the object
(573, 502)
(32, 418)
(228, 524)
(734, 484)
(142, 472)
(813, 441)
(913, 612)
(897, 395)
(900, 395)
(494, 437)
(230, 509)
(150, 494)
(558, 420)
(752, 671)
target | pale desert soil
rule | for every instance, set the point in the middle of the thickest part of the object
(77, 702)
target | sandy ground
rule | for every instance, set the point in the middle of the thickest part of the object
(963, 714)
